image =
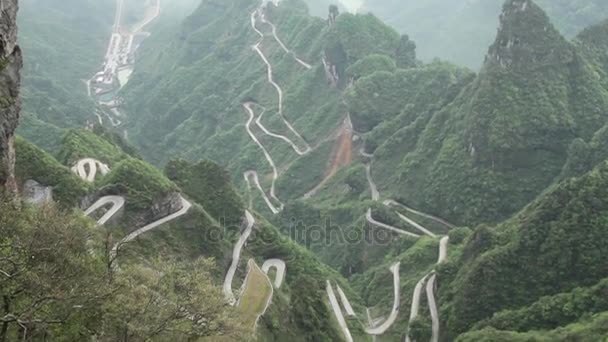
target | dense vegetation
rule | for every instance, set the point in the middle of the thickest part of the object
(516, 152)
(460, 31)
(68, 292)
(64, 44)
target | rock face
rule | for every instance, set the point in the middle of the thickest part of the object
(161, 208)
(10, 81)
(36, 193)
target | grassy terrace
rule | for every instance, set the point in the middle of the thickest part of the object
(256, 295)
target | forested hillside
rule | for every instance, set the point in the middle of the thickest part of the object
(460, 31)
(64, 43)
(289, 171)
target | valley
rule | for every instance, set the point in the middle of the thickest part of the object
(244, 170)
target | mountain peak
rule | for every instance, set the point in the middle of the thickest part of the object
(526, 37)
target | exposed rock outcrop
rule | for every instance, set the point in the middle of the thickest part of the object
(10, 81)
(36, 193)
(161, 208)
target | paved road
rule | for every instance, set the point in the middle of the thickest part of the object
(430, 287)
(296, 149)
(276, 37)
(345, 303)
(415, 225)
(379, 330)
(416, 302)
(279, 265)
(236, 257)
(117, 203)
(431, 217)
(185, 207)
(372, 185)
(371, 220)
(430, 296)
(275, 172)
(333, 302)
(93, 164)
(140, 26)
(256, 47)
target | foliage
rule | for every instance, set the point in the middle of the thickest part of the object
(142, 183)
(552, 246)
(552, 311)
(64, 44)
(33, 163)
(209, 185)
(460, 31)
(592, 329)
(56, 285)
(80, 143)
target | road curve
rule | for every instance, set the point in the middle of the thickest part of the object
(430, 217)
(416, 303)
(296, 149)
(93, 164)
(371, 220)
(275, 172)
(256, 47)
(333, 302)
(279, 265)
(430, 296)
(117, 203)
(345, 303)
(415, 225)
(276, 37)
(251, 265)
(185, 207)
(236, 257)
(372, 185)
(379, 330)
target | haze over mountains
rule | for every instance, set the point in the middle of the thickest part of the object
(245, 170)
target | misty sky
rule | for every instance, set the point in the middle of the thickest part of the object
(352, 5)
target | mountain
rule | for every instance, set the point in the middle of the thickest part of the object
(504, 138)
(459, 31)
(277, 175)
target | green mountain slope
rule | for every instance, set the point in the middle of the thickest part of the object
(459, 31)
(505, 137)
(64, 44)
(554, 245)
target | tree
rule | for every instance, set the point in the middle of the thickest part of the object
(334, 12)
(48, 278)
(55, 285)
(169, 301)
(406, 53)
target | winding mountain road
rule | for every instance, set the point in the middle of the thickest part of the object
(256, 47)
(372, 185)
(296, 149)
(275, 172)
(431, 217)
(430, 288)
(185, 208)
(117, 203)
(416, 302)
(92, 164)
(430, 296)
(236, 257)
(279, 266)
(379, 330)
(372, 221)
(333, 302)
(276, 37)
(345, 303)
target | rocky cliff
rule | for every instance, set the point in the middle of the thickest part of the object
(10, 104)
